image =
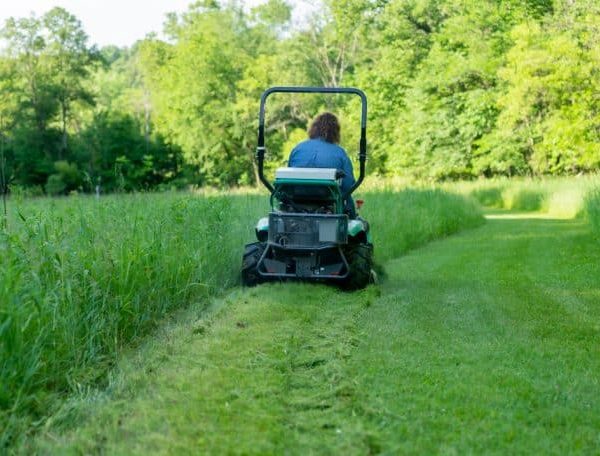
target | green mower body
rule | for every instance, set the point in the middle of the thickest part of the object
(307, 235)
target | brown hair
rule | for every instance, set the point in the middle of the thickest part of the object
(326, 127)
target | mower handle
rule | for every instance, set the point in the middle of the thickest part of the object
(260, 149)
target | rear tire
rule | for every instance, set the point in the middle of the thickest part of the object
(252, 255)
(360, 260)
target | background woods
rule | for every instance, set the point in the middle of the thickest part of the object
(457, 89)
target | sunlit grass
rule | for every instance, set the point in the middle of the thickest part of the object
(560, 197)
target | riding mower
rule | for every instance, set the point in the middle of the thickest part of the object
(307, 235)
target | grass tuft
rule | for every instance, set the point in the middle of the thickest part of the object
(592, 210)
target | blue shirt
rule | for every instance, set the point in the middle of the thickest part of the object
(316, 153)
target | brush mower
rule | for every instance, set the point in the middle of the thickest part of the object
(307, 235)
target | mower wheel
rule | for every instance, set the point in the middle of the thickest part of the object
(360, 260)
(252, 254)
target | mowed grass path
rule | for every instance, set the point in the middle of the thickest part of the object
(485, 342)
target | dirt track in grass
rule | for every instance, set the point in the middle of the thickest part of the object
(485, 342)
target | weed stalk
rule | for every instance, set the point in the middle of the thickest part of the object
(3, 183)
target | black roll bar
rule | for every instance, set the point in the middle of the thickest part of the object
(260, 149)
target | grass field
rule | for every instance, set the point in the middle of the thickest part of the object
(84, 279)
(123, 330)
(485, 342)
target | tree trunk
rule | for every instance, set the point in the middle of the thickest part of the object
(63, 149)
(147, 114)
(3, 182)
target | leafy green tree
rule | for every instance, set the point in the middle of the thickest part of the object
(32, 134)
(8, 111)
(51, 63)
(550, 109)
(205, 86)
(194, 87)
(69, 60)
(451, 102)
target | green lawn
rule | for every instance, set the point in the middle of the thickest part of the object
(486, 342)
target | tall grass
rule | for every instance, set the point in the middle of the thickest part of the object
(560, 197)
(409, 218)
(81, 278)
(592, 210)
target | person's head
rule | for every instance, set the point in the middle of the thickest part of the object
(326, 127)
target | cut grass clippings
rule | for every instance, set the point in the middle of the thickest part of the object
(261, 373)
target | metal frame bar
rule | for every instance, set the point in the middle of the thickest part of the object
(260, 149)
(260, 266)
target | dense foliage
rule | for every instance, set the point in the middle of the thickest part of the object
(457, 89)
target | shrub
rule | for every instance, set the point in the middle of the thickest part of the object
(489, 197)
(524, 199)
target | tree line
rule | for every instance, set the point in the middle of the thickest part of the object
(458, 89)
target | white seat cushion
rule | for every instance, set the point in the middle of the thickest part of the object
(306, 173)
